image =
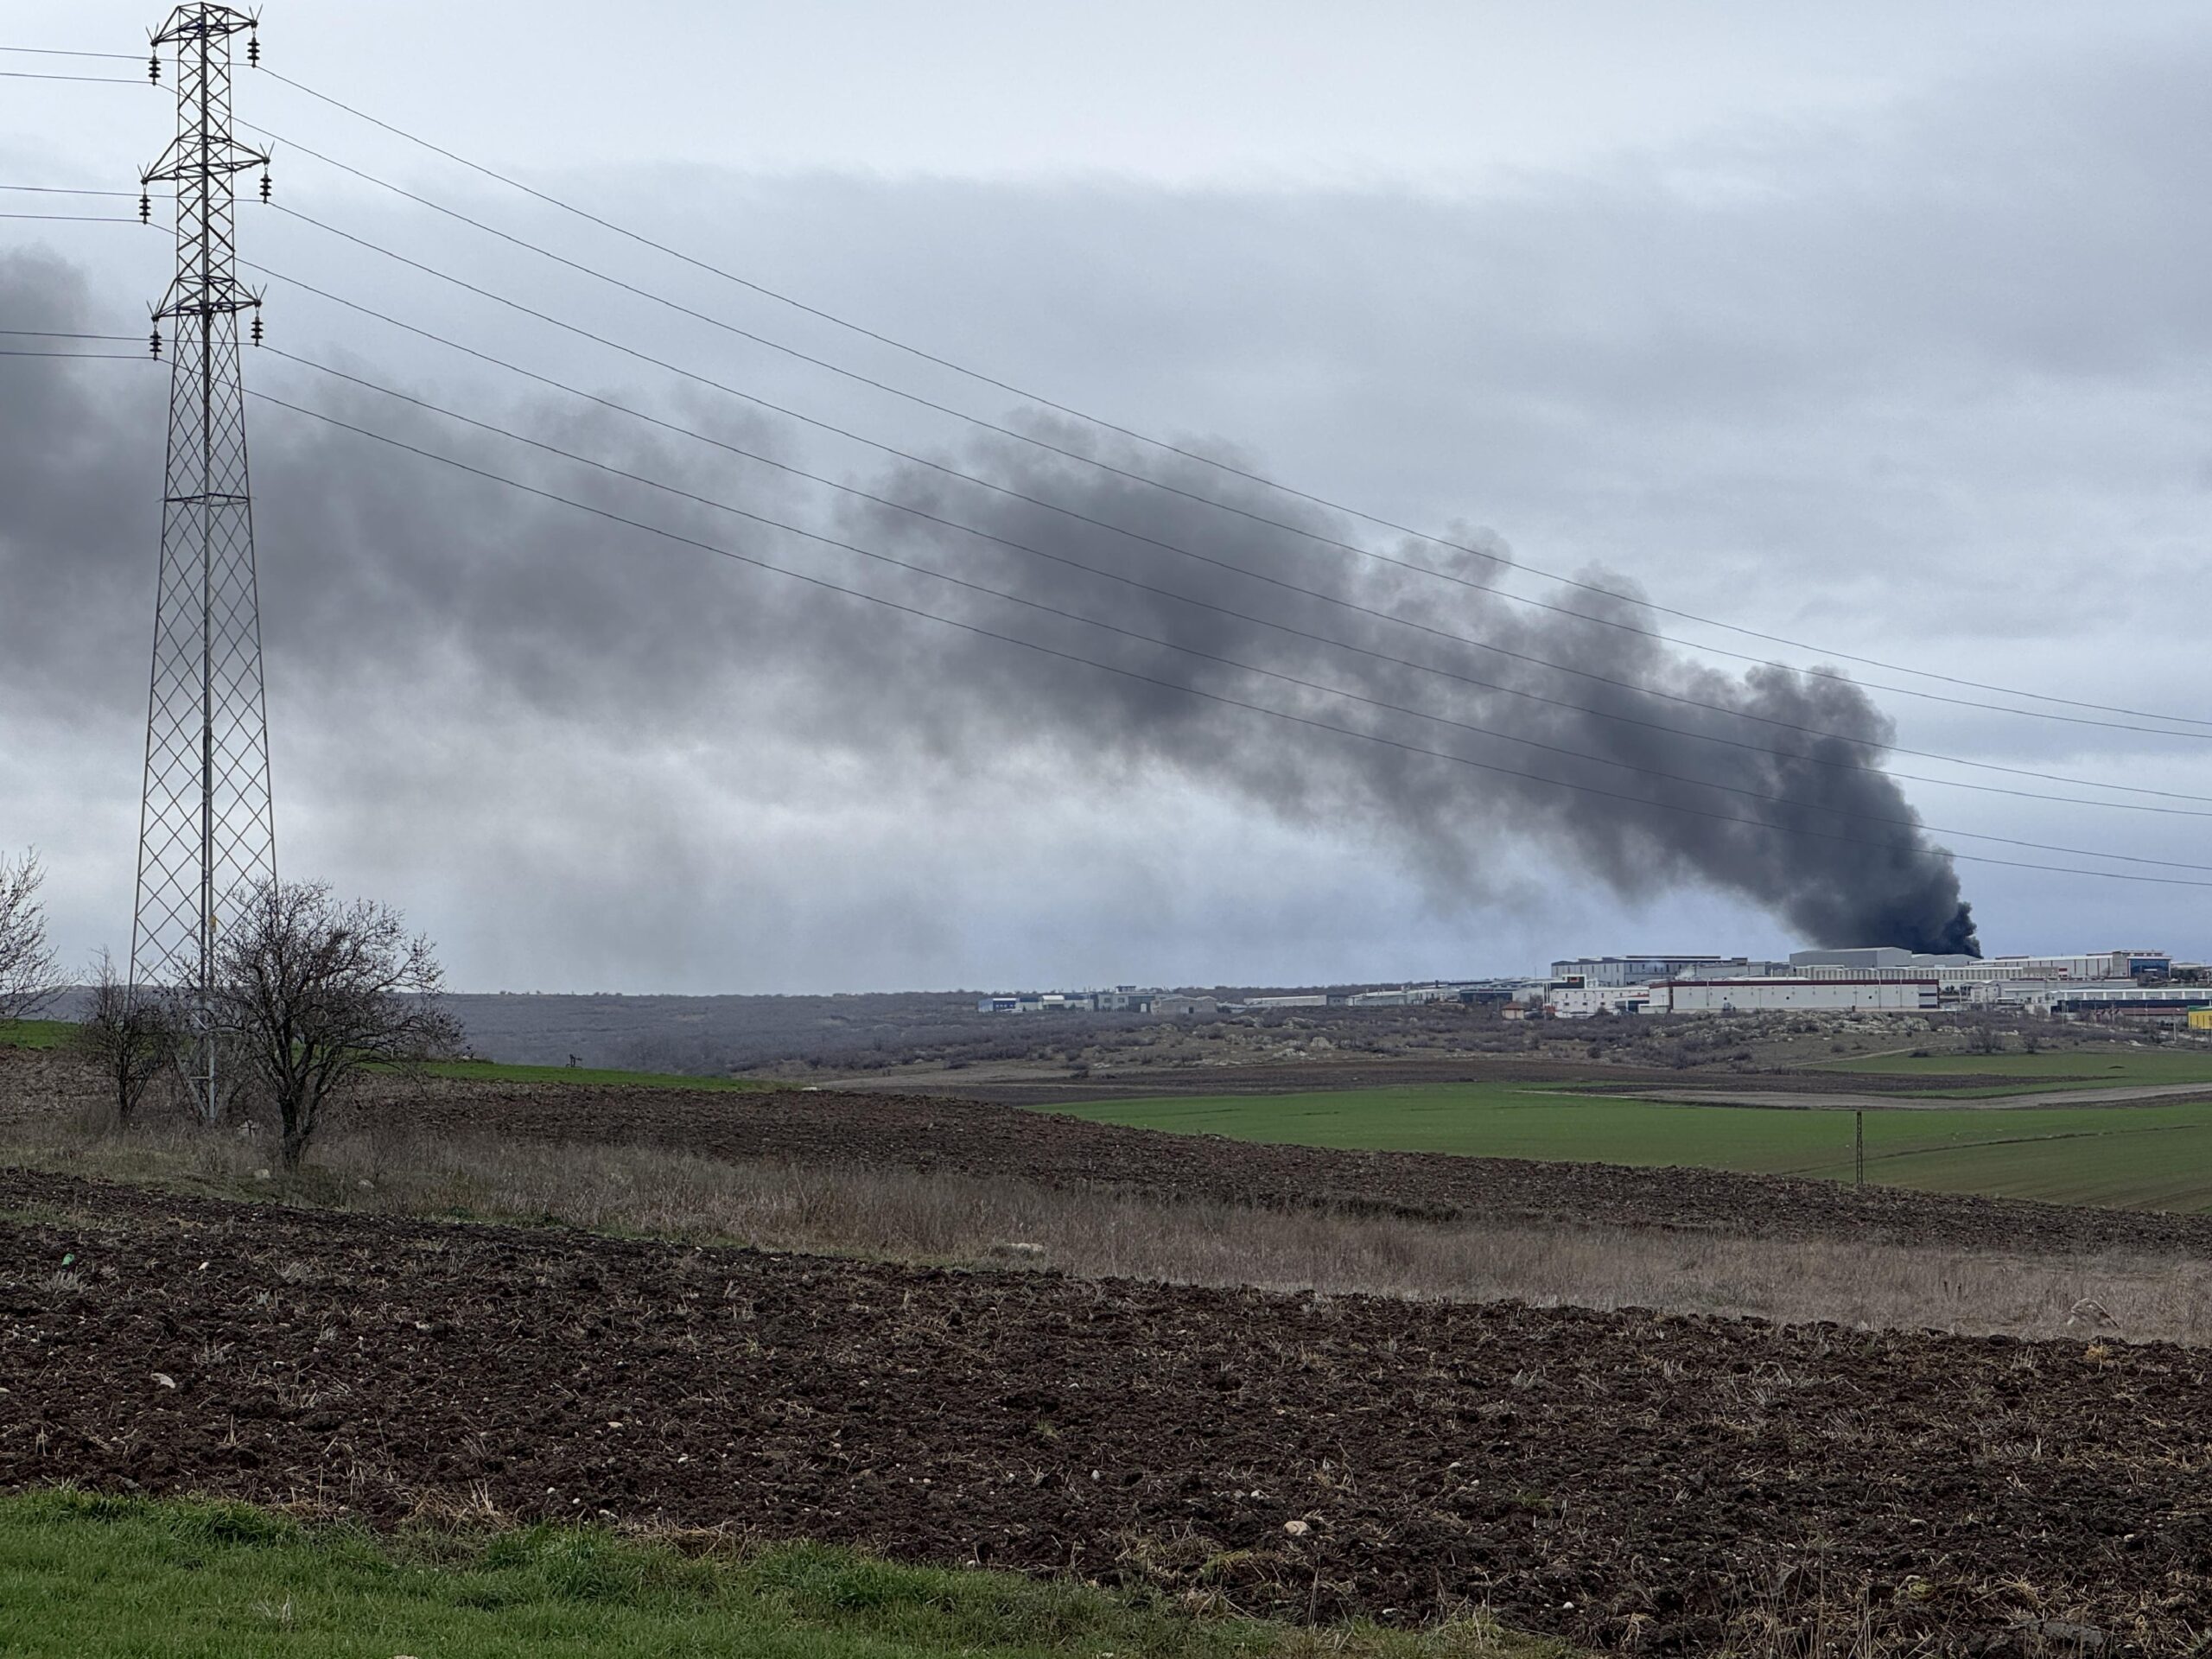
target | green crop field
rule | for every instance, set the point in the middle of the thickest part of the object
(107, 1578)
(2144, 1157)
(34, 1033)
(2081, 1068)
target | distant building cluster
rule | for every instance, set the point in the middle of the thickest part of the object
(1129, 999)
(1873, 979)
(1122, 999)
(1880, 980)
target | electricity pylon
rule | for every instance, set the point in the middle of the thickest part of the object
(207, 832)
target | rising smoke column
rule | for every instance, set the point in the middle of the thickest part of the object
(1863, 873)
(525, 617)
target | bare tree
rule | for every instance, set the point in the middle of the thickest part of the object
(308, 991)
(27, 961)
(132, 1034)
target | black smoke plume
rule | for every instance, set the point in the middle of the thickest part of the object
(382, 570)
(1818, 837)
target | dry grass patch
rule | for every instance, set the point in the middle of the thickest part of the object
(947, 1219)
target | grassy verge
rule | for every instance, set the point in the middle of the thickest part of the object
(2154, 1156)
(90, 1577)
(34, 1033)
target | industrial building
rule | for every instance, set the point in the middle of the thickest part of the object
(1874, 979)
(1038, 1002)
(1581, 1001)
(2155, 998)
(1616, 972)
(1893, 993)
(1879, 978)
(1956, 971)
(1122, 999)
(1129, 999)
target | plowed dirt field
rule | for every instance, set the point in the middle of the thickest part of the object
(1640, 1484)
(927, 1132)
(974, 1138)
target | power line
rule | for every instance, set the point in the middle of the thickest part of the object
(96, 80)
(49, 333)
(1106, 525)
(1191, 455)
(87, 357)
(1326, 640)
(58, 52)
(1205, 656)
(65, 190)
(79, 219)
(1171, 685)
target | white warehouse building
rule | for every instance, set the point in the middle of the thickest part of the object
(1615, 973)
(1891, 994)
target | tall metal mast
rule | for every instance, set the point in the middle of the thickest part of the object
(206, 829)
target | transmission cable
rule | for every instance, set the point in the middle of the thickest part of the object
(1173, 685)
(1256, 478)
(97, 80)
(1226, 507)
(59, 52)
(80, 218)
(1137, 635)
(1082, 517)
(1327, 639)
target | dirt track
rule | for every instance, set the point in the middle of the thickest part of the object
(1645, 1484)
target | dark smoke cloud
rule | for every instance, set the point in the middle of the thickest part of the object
(391, 585)
(1853, 879)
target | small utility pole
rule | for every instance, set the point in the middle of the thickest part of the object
(1858, 1147)
(206, 829)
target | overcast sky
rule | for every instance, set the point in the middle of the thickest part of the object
(1881, 328)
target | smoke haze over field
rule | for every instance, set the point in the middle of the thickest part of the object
(437, 578)
(1813, 324)
(1628, 787)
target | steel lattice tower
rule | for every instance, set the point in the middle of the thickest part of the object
(206, 833)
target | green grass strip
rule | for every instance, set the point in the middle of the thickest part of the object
(94, 1577)
(34, 1033)
(2154, 1156)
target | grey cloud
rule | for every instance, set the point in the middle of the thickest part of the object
(529, 613)
(1923, 387)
